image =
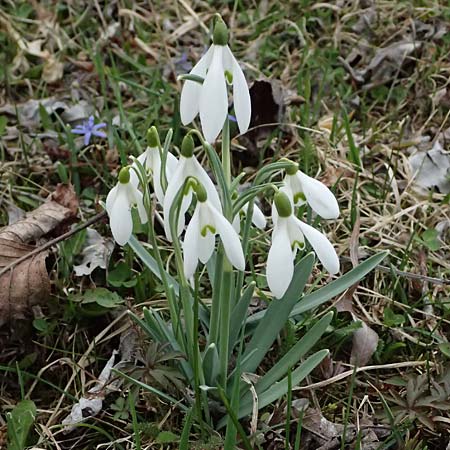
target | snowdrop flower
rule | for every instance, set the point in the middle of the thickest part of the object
(303, 189)
(120, 200)
(89, 129)
(288, 236)
(258, 218)
(199, 241)
(217, 67)
(187, 166)
(151, 161)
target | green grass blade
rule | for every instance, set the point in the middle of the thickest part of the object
(20, 420)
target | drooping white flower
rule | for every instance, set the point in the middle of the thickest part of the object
(288, 235)
(216, 67)
(187, 166)
(303, 189)
(150, 159)
(121, 198)
(199, 240)
(258, 218)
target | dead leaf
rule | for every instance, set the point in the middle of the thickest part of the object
(365, 342)
(53, 70)
(95, 253)
(26, 283)
(432, 168)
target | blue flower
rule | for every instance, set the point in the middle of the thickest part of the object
(89, 129)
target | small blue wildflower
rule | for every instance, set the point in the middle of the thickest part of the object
(183, 65)
(89, 129)
(231, 118)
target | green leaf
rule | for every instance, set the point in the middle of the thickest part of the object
(3, 123)
(121, 275)
(430, 238)
(338, 286)
(150, 262)
(20, 420)
(211, 365)
(276, 316)
(239, 313)
(167, 437)
(280, 388)
(293, 356)
(390, 319)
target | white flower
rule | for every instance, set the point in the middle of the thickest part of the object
(187, 166)
(121, 198)
(303, 189)
(199, 241)
(258, 218)
(288, 235)
(151, 161)
(211, 98)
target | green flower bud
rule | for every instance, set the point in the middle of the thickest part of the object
(282, 204)
(187, 146)
(152, 137)
(220, 36)
(201, 193)
(292, 169)
(124, 175)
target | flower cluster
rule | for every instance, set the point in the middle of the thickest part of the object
(179, 183)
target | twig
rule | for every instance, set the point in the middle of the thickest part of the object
(53, 242)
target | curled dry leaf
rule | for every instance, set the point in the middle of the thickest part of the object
(26, 283)
(365, 342)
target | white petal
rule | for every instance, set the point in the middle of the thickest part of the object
(171, 164)
(293, 187)
(230, 239)
(280, 261)
(191, 244)
(208, 242)
(322, 246)
(136, 198)
(174, 185)
(241, 96)
(134, 179)
(196, 170)
(190, 93)
(111, 198)
(213, 98)
(120, 218)
(258, 218)
(319, 197)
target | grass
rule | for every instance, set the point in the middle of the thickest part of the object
(361, 137)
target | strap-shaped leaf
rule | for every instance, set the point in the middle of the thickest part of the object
(293, 356)
(334, 288)
(275, 316)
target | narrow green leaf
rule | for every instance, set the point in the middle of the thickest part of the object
(211, 365)
(276, 316)
(293, 356)
(150, 262)
(239, 314)
(184, 439)
(280, 388)
(338, 286)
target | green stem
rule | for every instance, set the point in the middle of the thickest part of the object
(225, 313)
(226, 160)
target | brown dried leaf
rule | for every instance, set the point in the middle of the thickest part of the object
(26, 283)
(365, 342)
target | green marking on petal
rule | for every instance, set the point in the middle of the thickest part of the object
(229, 77)
(206, 228)
(299, 197)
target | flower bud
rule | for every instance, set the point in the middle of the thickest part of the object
(220, 36)
(200, 191)
(187, 146)
(283, 204)
(292, 169)
(124, 175)
(152, 137)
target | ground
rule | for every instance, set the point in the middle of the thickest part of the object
(356, 91)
